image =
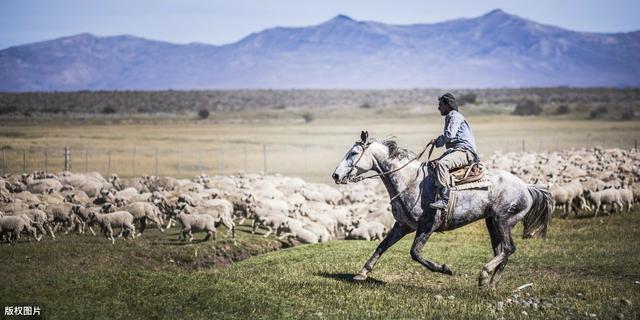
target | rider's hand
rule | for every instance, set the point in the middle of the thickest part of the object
(433, 141)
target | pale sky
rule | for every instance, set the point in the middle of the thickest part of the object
(224, 21)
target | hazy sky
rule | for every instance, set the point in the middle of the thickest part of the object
(226, 21)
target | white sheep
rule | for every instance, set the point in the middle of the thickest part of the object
(141, 211)
(371, 230)
(605, 197)
(107, 221)
(14, 225)
(295, 229)
(196, 222)
(270, 222)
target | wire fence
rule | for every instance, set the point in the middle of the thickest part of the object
(312, 162)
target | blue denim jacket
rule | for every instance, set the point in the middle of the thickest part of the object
(457, 134)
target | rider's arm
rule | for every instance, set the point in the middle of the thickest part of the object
(450, 130)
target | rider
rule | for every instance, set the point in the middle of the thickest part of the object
(460, 144)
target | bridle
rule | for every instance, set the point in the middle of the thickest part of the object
(365, 146)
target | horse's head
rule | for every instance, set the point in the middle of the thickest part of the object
(356, 162)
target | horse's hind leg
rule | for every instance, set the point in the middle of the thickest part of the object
(497, 274)
(397, 232)
(425, 230)
(493, 269)
(495, 245)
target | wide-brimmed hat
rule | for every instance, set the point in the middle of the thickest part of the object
(450, 100)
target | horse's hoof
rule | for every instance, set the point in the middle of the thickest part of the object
(359, 277)
(483, 279)
(447, 270)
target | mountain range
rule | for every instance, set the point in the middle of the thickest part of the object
(497, 49)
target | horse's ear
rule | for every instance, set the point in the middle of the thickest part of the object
(364, 136)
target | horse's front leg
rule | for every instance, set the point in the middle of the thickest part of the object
(425, 229)
(398, 231)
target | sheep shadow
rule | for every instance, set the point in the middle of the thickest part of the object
(348, 278)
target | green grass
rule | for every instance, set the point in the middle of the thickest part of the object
(585, 268)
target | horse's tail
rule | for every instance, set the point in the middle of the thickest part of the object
(537, 220)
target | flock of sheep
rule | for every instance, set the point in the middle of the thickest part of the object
(582, 181)
(40, 204)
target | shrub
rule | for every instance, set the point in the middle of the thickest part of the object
(366, 105)
(598, 112)
(527, 108)
(627, 114)
(308, 117)
(203, 113)
(563, 109)
(8, 109)
(108, 110)
(469, 98)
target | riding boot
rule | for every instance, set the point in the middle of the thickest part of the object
(442, 199)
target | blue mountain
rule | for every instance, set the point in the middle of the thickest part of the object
(494, 50)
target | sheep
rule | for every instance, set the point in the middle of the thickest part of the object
(15, 225)
(371, 230)
(44, 186)
(294, 229)
(61, 213)
(270, 222)
(221, 211)
(39, 220)
(197, 222)
(84, 217)
(626, 197)
(604, 197)
(141, 211)
(107, 221)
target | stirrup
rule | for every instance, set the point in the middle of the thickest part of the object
(439, 204)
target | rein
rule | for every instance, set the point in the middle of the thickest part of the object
(360, 178)
(375, 162)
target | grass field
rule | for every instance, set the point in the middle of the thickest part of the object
(587, 268)
(238, 141)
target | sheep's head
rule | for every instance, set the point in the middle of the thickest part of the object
(106, 207)
(120, 202)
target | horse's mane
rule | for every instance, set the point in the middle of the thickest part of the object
(395, 151)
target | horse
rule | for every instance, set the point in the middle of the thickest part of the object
(411, 187)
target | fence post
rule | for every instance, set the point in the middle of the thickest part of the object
(46, 162)
(523, 149)
(157, 175)
(86, 159)
(199, 161)
(635, 145)
(4, 164)
(67, 159)
(264, 158)
(109, 163)
(134, 161)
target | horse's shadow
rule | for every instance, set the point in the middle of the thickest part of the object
(348, 278)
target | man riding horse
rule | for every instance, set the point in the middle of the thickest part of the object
(461, 148)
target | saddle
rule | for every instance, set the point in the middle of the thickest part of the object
(471, 173)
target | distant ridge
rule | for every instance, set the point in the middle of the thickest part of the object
(496, 49)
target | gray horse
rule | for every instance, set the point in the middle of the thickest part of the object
(411, 187)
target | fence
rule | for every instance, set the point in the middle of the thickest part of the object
(312, 162)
